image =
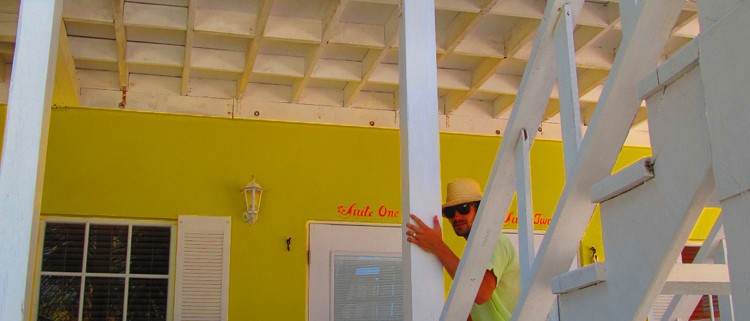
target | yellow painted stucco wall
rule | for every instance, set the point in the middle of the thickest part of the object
(115, 164)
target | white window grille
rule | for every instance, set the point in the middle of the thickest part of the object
(104, 270)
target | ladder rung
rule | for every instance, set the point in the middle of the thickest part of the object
(623, 181)
(579, 278)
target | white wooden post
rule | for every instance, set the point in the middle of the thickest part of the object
(525, 210)
(24, 149)
(567, 85)
(420, 156)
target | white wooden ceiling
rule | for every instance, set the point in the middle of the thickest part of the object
(320, 61)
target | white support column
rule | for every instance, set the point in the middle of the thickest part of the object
(567, 84)
(723, 50)
(24, 149)
(420, 156)
(528, 111)
(525, 210)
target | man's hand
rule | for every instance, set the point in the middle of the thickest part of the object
(429, 239)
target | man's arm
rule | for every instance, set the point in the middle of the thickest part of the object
(430, 239)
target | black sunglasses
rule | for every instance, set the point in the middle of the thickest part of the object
(450, 211)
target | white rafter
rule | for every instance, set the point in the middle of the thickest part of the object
(121, 41)
(330, 22)
(264, 11)
(185, 85)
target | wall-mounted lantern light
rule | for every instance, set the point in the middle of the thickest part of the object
(252, 200)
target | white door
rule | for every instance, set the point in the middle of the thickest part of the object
(355, 273)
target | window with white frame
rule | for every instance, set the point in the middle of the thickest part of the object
(104, 271)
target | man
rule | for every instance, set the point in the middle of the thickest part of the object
(500, 287)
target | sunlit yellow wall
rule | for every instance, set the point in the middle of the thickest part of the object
(103, 163)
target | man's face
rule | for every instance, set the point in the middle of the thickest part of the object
(462, 223)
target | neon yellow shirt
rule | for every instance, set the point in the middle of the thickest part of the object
(504, 264)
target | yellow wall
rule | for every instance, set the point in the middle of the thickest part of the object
(105, 163)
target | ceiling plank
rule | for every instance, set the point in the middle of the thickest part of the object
(461, 26)
(455, 98)
(185, 83)
(264, 11)
(155, 16)
(332, 18)
(121, 41)
(521, 34)
(501, 104)
(373, 58)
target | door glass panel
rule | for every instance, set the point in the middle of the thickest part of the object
(367, 288)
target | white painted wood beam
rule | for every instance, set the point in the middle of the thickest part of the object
(583, 277)
(24, 152)
(159, 102)
(251, 54)
(185, 83)
(698, 279)
(525, 209)
(527, 114)
(603, 141)
(624, 180)
(567, 83)
(420, 161)
(66, 76)
(374, 57)
(332, 18)
(121, 42)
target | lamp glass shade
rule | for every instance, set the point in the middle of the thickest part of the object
(253, 193)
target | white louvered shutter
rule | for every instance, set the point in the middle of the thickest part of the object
(202, 278)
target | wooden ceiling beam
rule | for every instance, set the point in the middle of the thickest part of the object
(121, 42)
(461, 26)
(264, 11)
(374, 57)
(520, 35)
(185, 83)
(67, 87)
(332, 18)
